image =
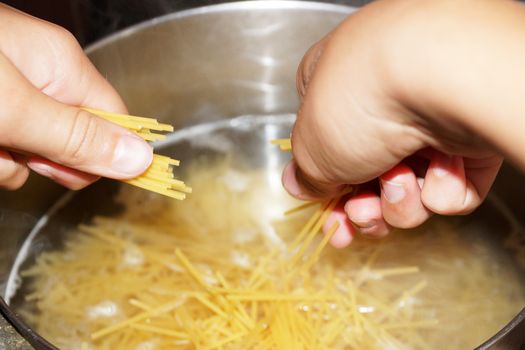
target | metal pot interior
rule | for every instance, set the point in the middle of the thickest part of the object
(200, 70)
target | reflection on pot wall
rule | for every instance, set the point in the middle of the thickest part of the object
(90, 20)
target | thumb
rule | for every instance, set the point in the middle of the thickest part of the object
(36, 123)
(300, 186)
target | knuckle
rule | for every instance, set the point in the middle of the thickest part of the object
(300, 80)
(379, 232)
(303, 76)
(438, 205)
(76, 186)
(62, 45)
(80, 183)
(307, 67)
(65, 54)
(471, 201)
(466, 208)
(81, 142)
(13, 176)
(401, 219)
(444, 205)
(409, 222)
(8, 170)
(63, 38)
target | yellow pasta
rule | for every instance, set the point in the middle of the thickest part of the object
(159, 176)
(209, 274)
(284, 144)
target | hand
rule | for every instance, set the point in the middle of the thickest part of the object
(402, 104)
(45, 76)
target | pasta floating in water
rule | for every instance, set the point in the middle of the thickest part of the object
(227, 270)
(159, 176)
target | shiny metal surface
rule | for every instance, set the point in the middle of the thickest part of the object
(215, 62)
(205, 65)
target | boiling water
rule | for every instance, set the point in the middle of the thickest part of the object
(122, 281)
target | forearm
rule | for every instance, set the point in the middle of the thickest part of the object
(464, 69)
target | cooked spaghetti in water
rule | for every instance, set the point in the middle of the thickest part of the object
(228, 269)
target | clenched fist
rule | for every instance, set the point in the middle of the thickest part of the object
(44, 78)
(414, 102)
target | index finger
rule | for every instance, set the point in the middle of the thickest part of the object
(60, 69)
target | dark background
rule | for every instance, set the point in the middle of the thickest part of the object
(90, 20)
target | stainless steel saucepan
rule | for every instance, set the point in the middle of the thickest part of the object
(207, 66)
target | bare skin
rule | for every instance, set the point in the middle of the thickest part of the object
(416, 103)
(44, 77)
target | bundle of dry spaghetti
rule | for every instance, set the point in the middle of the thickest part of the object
(227, 270)
(159, 176)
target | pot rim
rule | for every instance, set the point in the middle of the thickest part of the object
(219, 8)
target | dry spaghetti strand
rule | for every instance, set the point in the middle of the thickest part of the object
(159, 176)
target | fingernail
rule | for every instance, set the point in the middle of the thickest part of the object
(394, 192)
(132, 156)
(365, 224)
(442, 164)
(368, 228)
(42, 169)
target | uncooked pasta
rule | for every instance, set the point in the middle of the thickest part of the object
(159, 176)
